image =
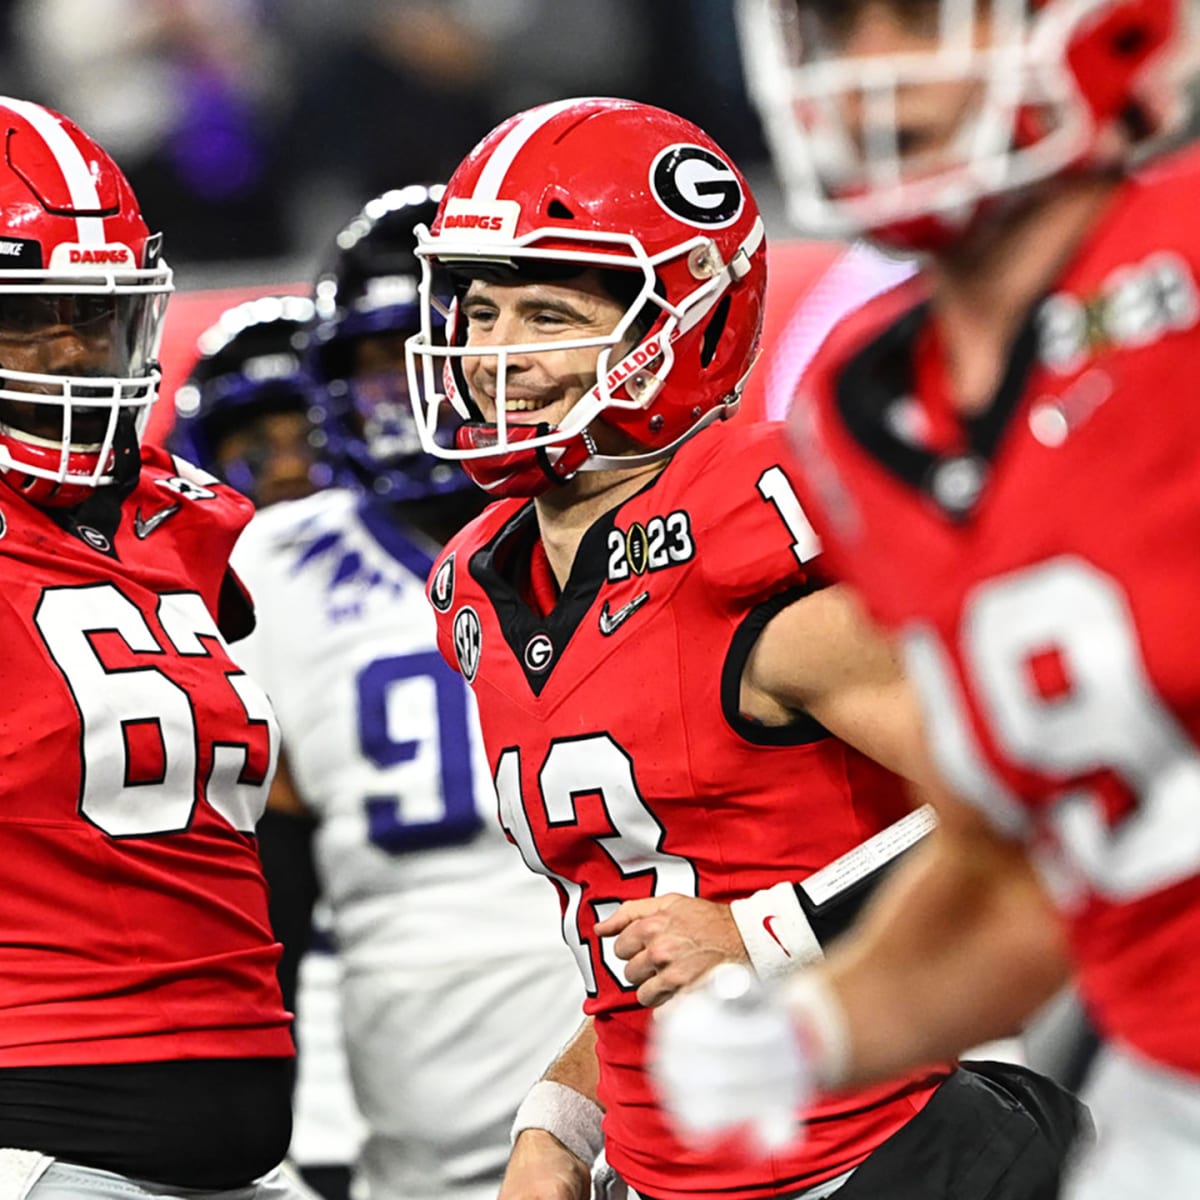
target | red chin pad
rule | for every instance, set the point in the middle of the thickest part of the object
(523, 470)
(934, 234)
(46, 493)
(925, 234)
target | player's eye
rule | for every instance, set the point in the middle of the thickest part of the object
(479, 314)
(25, 314)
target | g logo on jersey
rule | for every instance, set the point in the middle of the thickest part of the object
(95, 539)
(468, 642)
(539, 650)
(696, 186)
(441, 590)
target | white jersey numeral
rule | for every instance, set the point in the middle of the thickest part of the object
(1093, 711)
(775, 487)
(592, 765)
(142, 707)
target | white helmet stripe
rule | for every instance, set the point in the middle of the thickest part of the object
(492, 176)
(71, 163)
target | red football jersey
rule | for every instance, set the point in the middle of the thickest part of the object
(1042, 562)
(134, 761)
(624, 768)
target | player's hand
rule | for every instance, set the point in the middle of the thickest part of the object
(726, 1056)
(542, 1168)
(668, 942)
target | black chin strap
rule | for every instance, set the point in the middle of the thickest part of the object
(127, 458)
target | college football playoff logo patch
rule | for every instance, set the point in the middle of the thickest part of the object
(441, 590)
(660, 543)
(697, 187)
(468, 641)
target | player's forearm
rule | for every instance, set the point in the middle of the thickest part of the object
(576, 1066)
(959, 948)
(560, 1114)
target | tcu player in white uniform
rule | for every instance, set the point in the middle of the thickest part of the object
(456, 986)
(244, 415)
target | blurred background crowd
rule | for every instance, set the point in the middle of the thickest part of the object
(251, 129)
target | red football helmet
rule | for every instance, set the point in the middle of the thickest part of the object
(82, 294)
(1052, 78)
(606, 184)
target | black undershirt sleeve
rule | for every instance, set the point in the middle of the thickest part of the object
(285, 846)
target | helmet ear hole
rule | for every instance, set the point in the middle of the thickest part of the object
(558, 209)
(713, 331)
(1138, 123)
(1130, 42)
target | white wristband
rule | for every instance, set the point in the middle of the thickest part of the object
(565, 1114)
(817, 1011)
(775, 931)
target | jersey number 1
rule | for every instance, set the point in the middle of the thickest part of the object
(775, 487)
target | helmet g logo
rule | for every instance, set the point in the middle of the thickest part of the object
(696, 186)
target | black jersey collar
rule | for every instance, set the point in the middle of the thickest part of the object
(499, 568)
(879, 377)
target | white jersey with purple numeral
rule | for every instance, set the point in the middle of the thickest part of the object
(449, 947)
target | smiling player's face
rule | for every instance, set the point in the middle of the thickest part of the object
(544, 385)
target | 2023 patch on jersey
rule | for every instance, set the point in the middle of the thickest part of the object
(136, 758)
(625, 770)
(1043, 569)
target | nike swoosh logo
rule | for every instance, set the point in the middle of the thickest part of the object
(611, 622)
(767, 923)
(145, 527)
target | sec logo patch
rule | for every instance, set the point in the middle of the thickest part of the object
(468, 642)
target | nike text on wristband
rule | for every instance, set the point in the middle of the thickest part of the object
(565, 1114)
(775, 931)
